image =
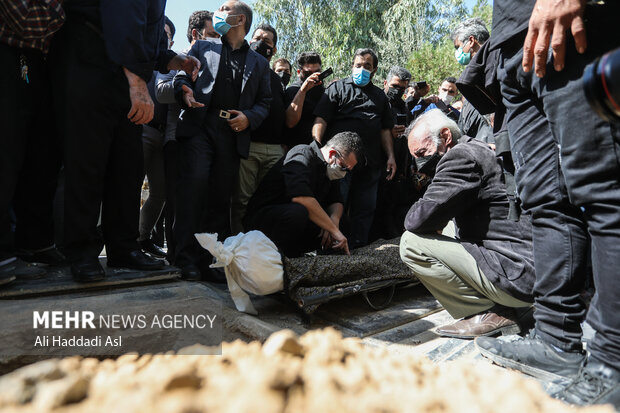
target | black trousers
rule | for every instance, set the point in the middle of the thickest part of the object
(102, 149)
(171, 171)
(288, 226)
(208, 169)
(568, 175)
(29, 154)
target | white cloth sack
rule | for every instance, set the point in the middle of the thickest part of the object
(251, 262)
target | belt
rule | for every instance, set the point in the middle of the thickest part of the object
(220, 113)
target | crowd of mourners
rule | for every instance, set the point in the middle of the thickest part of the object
(505, 200)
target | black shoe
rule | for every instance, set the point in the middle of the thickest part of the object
(149, 246)
(87, 270)
(214, 275)
(135, 260)
(191, 273)
(596, 384)
(49, 256)
(23, 270)
(532, 356)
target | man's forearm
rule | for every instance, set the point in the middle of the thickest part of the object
(316, 213)
(387, 142)
(293, 112)
(318, 129)
(335, 212)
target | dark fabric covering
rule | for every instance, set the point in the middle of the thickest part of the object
(309, 276)
(302, 132)
(365, 110)
(468, 186)
(271, 130)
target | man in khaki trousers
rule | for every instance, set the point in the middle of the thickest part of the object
(459, 241)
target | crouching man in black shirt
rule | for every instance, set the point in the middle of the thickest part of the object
(484, 268)
(298, 204)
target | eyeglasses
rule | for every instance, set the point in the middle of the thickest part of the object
(342, 165)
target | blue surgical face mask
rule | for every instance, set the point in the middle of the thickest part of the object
(219, 22)
(361, 76)
(462, 57)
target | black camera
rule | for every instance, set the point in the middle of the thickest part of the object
(601, 84)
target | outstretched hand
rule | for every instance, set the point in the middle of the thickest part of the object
(188, 98)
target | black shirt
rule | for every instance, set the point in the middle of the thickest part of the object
(302, 132)
(271, 130)
(229, 79)
(365, 110)
(302, 172)
(399, 107)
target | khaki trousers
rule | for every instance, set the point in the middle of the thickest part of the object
(251, 172)
(451, 274)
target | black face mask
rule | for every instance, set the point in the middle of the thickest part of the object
(427, 164)
(284, 77)
(262, 49)
(395, 93)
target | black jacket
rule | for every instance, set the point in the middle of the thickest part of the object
(468, 186)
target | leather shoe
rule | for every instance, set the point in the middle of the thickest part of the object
(87, 270)
(135, 260)
(488, 323)
(191, 273)
(149, 246)
(49, 256)
(595, 384)
(531, 355)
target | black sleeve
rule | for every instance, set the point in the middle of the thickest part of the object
(329, 104)
(297, 174)
(453, 189)
(289, 94)
(182, 78)
(132, 32)
(387, 117)
(335, 195)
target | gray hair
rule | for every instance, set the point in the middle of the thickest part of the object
(471, 27)
(346, 143)
(435, 120)
(399, 72)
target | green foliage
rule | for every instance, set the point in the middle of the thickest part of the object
(433, 63)
(411, 33)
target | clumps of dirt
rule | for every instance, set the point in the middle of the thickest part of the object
(318, 372)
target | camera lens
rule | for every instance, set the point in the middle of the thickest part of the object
(601, 84)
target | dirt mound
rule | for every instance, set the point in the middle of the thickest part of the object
(318, 372)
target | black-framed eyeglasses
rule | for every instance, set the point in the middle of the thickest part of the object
(342, 167)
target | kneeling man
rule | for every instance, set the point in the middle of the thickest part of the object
(481, 267)
(298, 204)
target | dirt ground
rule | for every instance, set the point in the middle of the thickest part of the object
(318, 372)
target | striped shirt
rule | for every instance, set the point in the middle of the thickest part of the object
(30, 23)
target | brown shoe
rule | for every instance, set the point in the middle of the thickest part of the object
(497, 320)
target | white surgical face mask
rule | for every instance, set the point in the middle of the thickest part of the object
(447, 99)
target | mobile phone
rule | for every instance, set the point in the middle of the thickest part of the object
(324, 74)
(401, 119)
(421, 85)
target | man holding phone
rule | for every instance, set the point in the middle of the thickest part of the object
(302, 97)
(230, 98)
(394, 86)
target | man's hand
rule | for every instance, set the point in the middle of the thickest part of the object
(188, 98)
(553, 18)
(310, 82)
(391, 167)
(339, 241)
(397, 131)
(431, 99)
(188, 64)
(240, 122)
(421, 92)
(142, 108)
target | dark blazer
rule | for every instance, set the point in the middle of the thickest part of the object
(469, 187)
(255, 91)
